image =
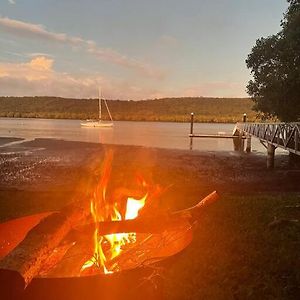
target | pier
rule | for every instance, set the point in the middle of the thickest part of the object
(271, 136)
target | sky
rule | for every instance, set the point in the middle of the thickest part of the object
(132, 49)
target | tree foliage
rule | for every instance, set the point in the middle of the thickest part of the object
(167, 109)
(275, 65)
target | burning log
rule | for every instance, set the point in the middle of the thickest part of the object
(34, 254)
(157, 237)
(152, 224)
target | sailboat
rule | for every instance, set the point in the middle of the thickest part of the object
(99, 122)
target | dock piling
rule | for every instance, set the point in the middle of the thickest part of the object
(191, 131)
(270, 156)
(248, 143)
(192, 123)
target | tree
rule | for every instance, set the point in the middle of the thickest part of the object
(275, 65)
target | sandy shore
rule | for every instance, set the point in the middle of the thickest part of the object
(48, 164)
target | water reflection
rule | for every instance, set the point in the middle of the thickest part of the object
(149, 134)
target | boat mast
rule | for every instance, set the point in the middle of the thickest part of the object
(108, 110)
(99, 103)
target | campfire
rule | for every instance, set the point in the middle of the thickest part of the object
(104, 231)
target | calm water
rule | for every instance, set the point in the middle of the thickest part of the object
(150, 134)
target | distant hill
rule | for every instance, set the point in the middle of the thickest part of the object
(167, 109)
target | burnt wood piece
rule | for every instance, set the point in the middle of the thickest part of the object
(152, 224)
(24, 262)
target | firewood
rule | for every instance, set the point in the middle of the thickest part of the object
(152, 224)
(27, 260)
(24, 262)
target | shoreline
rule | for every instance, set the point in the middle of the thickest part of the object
(44, 161)
(124, 120)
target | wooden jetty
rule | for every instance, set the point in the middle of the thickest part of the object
(271, 135)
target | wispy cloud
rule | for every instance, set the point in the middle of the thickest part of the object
(34, 54)
(37, 77)
(12, 1)
(37, 31)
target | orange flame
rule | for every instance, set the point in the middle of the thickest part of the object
(103, 210)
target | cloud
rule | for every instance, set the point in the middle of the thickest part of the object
(37, 31)
(34, 54)
(37, 77)
(12, 1)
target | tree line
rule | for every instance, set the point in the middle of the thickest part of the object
(166, 109)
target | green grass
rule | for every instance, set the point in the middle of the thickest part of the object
(234, 254)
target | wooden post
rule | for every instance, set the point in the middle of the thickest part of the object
(236, 144)
(236, 141)
(192, 123)
(248, 144)
(241, 142)
(191, 131)
(270, 156)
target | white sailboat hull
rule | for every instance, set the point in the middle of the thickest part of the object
(96, 124)
(99, 122)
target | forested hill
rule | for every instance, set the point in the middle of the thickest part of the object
(168, 109)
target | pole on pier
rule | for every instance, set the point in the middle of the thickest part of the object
(270, 156)
(242, 142)
(192, 123)
(192, 131)
(248, 143)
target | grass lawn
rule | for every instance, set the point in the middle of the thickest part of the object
(235, 254)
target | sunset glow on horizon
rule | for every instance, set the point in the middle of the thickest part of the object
(132, 49)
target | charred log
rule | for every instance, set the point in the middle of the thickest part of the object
(26, 260)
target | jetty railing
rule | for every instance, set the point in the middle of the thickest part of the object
(272, 136)
(283, 135)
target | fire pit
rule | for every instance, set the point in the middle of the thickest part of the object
(100, 237)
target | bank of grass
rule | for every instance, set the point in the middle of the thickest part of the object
(228, 110)
(235, 254)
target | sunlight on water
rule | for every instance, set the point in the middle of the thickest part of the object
(149, 134)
